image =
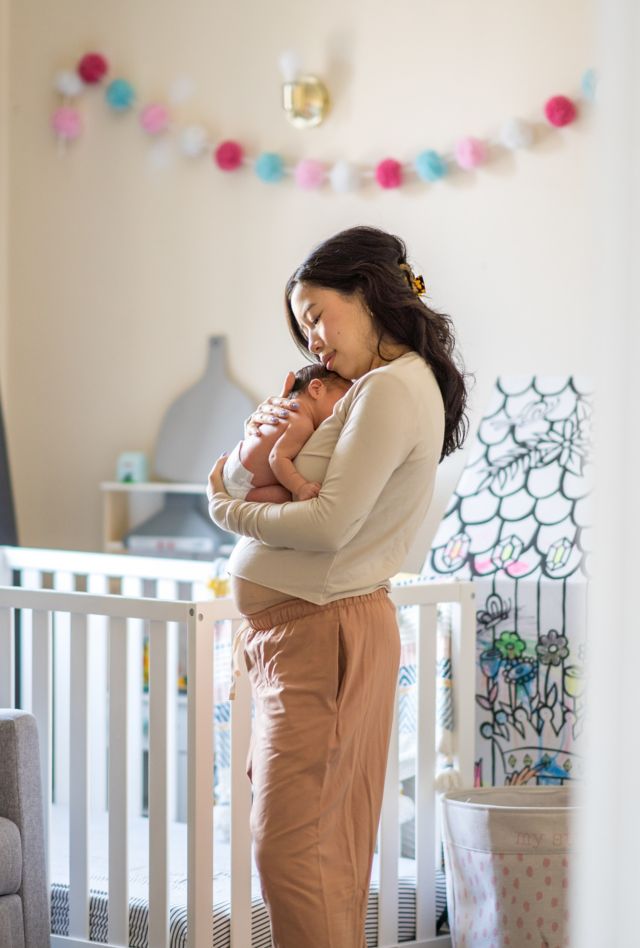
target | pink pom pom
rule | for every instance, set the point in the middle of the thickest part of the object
(228, 155)
(470, 152)
(560, 111)
(154, 118)
(389, 173)
(309, 174)
(66, 123)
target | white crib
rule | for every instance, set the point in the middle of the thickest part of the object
(71, 633)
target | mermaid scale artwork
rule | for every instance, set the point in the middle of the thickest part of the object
(518, 526)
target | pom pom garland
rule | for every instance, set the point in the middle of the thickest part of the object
(344, 177)
(310, 174)
(560, 111)
(120, 95)
(69, 84)
(66, 123)
(516, 134)
(589, 85)
(154, 118)
(228, 156)
(269, 167)
(92, 68)
(470, 153)
(430, 166)
(193, 140)
(389, 173)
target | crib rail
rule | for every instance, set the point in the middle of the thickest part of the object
(111, 627)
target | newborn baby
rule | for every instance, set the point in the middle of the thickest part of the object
(261, 468)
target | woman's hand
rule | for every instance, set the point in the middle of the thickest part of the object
(273, 411)
(216, 484)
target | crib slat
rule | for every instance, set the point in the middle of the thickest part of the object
(132, 587)
(64, 582)
(159, 678)
(426, 653)
(240, 809)
(389, 843)
(200, 779)
(79, 780)
(118, 784)
(98, 585)
(8, 664)
(463, 659)
(41, 707)
(168, 589)
(29, 579)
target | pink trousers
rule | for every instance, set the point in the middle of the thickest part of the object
(324, 682)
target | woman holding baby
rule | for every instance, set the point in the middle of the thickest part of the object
(312, 577)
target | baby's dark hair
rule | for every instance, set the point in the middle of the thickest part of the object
(316, 370)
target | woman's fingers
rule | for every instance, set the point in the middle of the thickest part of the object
(273, 410)
(288, 384)
(216, 484)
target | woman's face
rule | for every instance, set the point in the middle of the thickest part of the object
(339, 329)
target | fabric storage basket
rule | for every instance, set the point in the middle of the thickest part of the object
(507, 852)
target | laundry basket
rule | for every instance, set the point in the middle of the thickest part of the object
(507, 858)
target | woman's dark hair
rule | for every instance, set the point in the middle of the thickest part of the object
(315, 370)
(373, 264)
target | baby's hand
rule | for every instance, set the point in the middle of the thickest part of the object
(307, 491)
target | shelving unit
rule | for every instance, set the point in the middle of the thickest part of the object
(125, 504)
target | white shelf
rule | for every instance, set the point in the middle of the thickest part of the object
(158, 487)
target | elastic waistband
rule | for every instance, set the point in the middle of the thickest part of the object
(294, 609)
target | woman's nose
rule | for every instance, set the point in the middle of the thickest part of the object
(314, 343)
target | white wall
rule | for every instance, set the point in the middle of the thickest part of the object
(4, 187)
(119, 273)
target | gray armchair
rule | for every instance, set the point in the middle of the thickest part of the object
(24, 899)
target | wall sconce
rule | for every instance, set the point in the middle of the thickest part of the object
(305, 98)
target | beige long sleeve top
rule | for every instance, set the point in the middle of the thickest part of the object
(376, 458)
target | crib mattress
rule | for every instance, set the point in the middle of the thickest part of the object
(139, 887)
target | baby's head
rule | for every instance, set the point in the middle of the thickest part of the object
(319, 388)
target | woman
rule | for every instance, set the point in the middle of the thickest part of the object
(323, 647)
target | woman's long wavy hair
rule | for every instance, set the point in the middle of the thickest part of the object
(373, 264)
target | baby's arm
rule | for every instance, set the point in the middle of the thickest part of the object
(281, 459)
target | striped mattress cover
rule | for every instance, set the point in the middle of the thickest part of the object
(138, 888)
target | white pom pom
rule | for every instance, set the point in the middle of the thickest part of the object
(448, 779)
(516, 134)
(193, 140)
(69, 84)
(290, 67)
(344, 177)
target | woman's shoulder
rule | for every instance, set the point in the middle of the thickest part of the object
(408, 373)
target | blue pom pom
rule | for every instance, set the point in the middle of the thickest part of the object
(120, 95)
(430, 166)
(269, 167)
(588, 84)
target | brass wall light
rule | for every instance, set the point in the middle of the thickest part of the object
(305, 98)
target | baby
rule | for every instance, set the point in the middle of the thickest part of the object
(261, 468)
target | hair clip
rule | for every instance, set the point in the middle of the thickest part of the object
(416, 283)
